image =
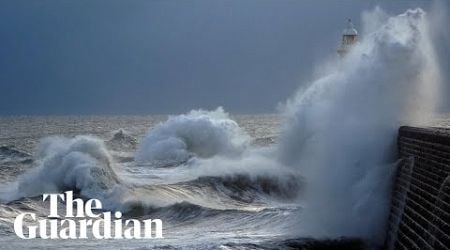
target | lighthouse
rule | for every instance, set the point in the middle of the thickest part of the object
(349, 38)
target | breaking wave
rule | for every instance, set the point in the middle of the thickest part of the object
(341, 130)
(199, 133)
(85, 165)
(81, 163)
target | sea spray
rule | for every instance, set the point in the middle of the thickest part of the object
(340, 131)
(82, 164)
(198, 133)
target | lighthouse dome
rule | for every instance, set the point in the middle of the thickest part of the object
(350, 30)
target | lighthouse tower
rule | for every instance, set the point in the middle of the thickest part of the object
(349, 38)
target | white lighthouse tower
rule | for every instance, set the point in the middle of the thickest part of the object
(349, 38)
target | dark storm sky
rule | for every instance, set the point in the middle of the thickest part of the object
(166, 56)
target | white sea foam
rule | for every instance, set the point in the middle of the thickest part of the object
(198, 133)
(81, 163)
(341, 130)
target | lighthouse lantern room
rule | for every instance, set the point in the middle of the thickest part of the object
(349, 38)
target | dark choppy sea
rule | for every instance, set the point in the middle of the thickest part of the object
(205, 210)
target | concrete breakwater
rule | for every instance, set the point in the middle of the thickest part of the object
(420, 210)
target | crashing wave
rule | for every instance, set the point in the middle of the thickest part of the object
(341, 130)
(198, 133)
(81, 163)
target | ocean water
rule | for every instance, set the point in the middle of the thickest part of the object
(202, 211)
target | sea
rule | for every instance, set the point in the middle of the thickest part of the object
(202, 211)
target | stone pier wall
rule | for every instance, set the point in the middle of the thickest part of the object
(420, 211)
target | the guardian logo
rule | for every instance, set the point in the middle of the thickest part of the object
(103, 226)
